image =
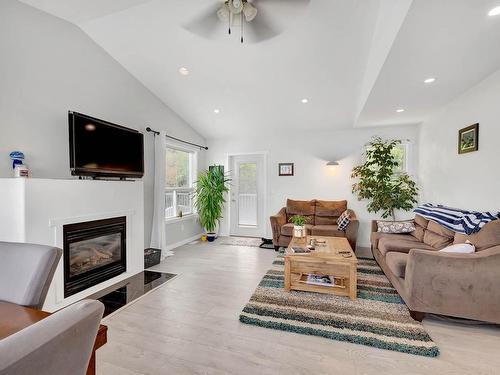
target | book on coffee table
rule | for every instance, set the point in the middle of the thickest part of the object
(323, 280)
(300, 250)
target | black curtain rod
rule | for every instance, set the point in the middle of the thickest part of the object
(148, 129)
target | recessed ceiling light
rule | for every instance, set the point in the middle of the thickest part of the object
(305, 101)
(494, 12)
(183, 71)
(400, 110)
(216, 110)
(430, 80)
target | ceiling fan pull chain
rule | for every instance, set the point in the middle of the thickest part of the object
(241, 18)
(230, 23)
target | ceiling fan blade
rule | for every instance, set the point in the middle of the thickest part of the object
(260, 29)
(205, 24)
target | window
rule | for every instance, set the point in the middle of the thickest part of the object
(179, 176)
(400, 154)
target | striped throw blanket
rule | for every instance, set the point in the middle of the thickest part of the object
(461, 221)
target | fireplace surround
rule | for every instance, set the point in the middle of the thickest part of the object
(94, 251)
(36, 210)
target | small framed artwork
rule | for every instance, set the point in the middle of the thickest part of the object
(285, 169)
(468, 139)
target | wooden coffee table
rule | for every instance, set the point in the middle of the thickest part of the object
(325, 260)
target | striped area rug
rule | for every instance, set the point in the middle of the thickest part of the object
(378, 318)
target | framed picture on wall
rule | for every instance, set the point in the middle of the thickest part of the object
(285, 169)
(468, 139)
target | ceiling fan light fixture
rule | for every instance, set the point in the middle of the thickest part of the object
(223, 13)
(236, 6)
(249, 11)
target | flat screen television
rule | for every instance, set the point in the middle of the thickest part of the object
(98, 148)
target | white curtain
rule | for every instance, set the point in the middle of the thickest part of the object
(158, 235)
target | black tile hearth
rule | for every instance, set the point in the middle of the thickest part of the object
(128, 290)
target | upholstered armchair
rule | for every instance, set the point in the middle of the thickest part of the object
(26, 271)
(60, 344)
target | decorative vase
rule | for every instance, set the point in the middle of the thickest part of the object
(299, 231)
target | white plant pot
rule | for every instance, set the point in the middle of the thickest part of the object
(299, 231)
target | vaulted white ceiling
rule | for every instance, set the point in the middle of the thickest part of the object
(454, 41)
(355, 61)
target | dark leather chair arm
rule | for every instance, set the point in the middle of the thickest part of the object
(277, 221)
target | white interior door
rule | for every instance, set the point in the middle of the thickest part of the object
(247, 195)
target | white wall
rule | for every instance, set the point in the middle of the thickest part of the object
(468, 181)
(49, 66)
(310, 151)
(43, 206)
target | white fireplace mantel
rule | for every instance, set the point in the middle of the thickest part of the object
(35, 211)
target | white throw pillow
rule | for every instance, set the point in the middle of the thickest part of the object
(462, 248)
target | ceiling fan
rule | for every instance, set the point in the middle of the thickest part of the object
(248, 15)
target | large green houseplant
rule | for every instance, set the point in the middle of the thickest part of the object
(379, 181)
(209, 198)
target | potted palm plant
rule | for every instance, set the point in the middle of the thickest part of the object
(209, 199)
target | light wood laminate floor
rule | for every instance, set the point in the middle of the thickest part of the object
(190, 326)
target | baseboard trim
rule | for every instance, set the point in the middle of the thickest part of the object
(183, 242)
